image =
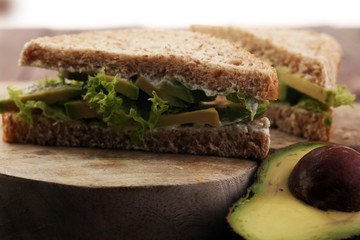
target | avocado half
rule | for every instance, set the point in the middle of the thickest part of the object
(270, 212)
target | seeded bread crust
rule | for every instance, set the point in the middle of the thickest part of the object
(299, 122)
(199, 60)
(314, 56)
(250, 141)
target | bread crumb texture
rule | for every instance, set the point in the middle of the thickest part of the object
(251, 141)
(196, 58)
(314, 56)
(299, 122)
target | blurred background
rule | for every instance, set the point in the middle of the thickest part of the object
(22, 20)
(76, 14)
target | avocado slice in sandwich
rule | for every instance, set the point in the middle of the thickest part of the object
(152, 90)
(307, 64)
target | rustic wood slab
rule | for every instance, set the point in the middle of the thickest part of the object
(81, 193)
(84, 167)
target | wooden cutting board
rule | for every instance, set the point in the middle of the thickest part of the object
(81, 193)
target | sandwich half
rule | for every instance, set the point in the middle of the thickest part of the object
(307, 65)
(151, 90)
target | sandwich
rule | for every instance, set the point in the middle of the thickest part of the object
(307, 65)
(150, 90)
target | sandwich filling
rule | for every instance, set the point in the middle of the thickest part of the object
(133, 105)
(300, 93)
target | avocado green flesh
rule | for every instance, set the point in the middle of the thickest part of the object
(122, 86)
(290, 95)
(125, 88)
(271, 212)
(48, 95)
(229, 112)
(283, 91)
(68, 99)
(205, 116)
(173, 93)
(80, 110)
(200, 96)
(148, 88)
(302, 85)
(178, 91)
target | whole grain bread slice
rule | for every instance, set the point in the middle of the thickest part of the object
(250, 140)
(195, 58)
(300, 122)
(314, 56)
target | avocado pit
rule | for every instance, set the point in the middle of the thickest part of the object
(328, 178)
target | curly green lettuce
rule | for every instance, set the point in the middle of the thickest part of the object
(118, 111)
(26, 109)
(24, 112)
(341, 96)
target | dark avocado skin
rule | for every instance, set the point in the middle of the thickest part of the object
(238, 227)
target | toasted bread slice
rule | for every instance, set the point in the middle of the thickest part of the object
(197, 59)
(314, 56)
(250, 140)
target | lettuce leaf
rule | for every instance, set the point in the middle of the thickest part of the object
(335, 98)
(26, 109)
(342, 96)
(158, 107)
(254, 107)
(25, 113)
(309, 103)
(56, 113)
(119, 111)
(101, 95)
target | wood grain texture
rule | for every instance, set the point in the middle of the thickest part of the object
(84, 167)
(43, 210)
